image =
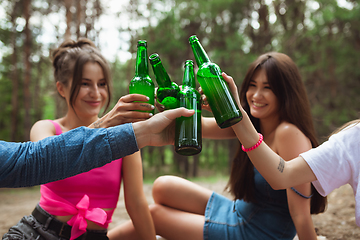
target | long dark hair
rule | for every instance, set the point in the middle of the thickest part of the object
(68, 62)
(285, 81)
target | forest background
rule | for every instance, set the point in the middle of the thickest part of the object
(322, 37)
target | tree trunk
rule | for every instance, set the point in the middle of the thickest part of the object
(15, 80)
(195, 165)
(37, 97)
(78, 18)
(27, 73)
(68, 4)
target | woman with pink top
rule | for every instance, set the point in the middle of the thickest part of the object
(81, 207)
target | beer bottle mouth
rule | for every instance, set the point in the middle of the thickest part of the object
(193, 38)
(142, 43)
(189, 62)
(154, 58)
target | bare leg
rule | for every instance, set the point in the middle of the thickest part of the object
(181, 194)
(178, 212)
(169, 223)
(174, 224)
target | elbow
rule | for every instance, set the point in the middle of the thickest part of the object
(277, 185)
(134, 207)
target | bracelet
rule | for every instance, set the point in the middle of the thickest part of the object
(300, 194)
(255, 146)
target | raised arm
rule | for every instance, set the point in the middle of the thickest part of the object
(58, 157)
(81, 149)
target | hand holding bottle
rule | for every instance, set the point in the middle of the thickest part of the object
(232, 87)
(126, 110)
(204, 103)
(160, 129)
(222, 103)
(142, 83)
(188, 136)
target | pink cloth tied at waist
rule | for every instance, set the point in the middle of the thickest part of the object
(58, 206)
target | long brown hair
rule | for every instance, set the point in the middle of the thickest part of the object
(285, 81)
(69, 60)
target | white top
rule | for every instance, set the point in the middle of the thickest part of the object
(337, 162)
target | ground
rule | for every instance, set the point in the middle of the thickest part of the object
(338, 221)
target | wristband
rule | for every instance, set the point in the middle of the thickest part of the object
(255, 146)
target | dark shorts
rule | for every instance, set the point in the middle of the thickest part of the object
(227, 220)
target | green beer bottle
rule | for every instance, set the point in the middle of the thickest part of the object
(167, 92)
(188, 136)
(216, 90)
(142, 83)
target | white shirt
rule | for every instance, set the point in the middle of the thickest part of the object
(337, 162)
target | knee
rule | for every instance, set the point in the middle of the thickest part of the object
(155, 209)
(161, 187)
(159, 215)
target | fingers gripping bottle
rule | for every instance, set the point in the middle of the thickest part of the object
(167, 92)
(216, 90)
(188, 136)
(142, 83)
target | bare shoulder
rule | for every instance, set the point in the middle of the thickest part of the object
(43, 125)
(286, 131)
(41, 129)
(290, 141)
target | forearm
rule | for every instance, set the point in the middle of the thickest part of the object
(304, 227)
(278, 173)
(58, 157)
(264, 159)
(142, 220)
(299, 208)
(211, 130)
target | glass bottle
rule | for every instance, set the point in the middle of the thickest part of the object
(142, 83)
(167, 92)
(216, 90)
(188, 136)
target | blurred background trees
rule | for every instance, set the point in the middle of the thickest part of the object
(322, 37)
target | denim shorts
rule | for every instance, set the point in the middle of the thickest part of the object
(228, 220)
(29, 228)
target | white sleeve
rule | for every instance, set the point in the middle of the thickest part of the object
(333, 161)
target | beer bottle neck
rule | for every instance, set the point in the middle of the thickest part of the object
(189, 76)
(141, 68)
(162, 78)
(199, 53)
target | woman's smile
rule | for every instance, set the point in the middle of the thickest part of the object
(93, 103)
(258, 105)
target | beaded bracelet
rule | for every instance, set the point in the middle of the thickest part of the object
(255, 146)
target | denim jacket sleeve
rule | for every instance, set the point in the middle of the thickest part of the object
(58, 157)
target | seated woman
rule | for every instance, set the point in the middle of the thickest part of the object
(81, 207)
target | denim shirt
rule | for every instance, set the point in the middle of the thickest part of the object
(58, 157)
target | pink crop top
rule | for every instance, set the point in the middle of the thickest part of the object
(84, 195)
